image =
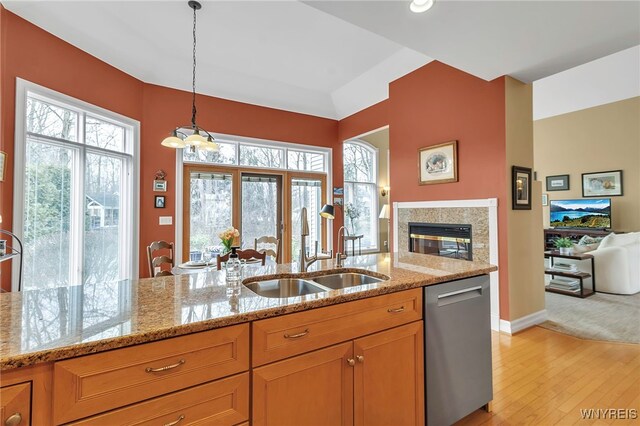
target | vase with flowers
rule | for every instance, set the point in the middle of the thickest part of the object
(227, 237)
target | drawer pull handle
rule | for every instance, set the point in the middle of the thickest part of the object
(296, 336)
(175, 422)
(13, 420)
(360, 358)
(351, 361)
(395, 311)
(165, 368)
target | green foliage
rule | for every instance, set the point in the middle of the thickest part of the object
(563, 242)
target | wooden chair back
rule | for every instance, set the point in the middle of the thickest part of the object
(247, 254)
(272, 246)
(159, 261)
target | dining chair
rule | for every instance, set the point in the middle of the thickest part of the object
(247, 254)
(159, 261)
(269, 245)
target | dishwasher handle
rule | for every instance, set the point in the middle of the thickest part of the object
(459, 295)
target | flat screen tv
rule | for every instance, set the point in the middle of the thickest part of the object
(582, 213)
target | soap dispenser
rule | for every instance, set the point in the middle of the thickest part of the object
(233, 267)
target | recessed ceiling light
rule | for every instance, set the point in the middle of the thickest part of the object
(419, 6)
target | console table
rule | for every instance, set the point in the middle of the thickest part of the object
(580, 276)
(575, 234)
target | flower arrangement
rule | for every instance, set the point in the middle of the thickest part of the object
(563, 242)
(227, 237)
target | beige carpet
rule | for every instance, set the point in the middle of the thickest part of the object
(599, 317)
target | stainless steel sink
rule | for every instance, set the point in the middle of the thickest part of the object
(348, 279)
(285, 287)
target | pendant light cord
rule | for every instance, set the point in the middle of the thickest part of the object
(193, 110)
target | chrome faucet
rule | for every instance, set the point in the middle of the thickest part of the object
(339, 256)
(306, 261)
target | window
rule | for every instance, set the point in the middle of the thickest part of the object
(237, 151)
(76, 212)
(361, 192)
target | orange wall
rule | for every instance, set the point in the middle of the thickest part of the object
(33, 54)
(437, 103)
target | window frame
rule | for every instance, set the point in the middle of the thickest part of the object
(131, 166)
(374, 185)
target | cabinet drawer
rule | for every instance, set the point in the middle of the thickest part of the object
(281, 337)
(223, 402)
(15, 404)
(92, 384)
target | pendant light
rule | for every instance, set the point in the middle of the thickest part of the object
(178, 138)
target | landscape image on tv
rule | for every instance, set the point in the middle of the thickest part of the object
(593, 213)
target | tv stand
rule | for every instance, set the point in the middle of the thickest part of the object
(573, 233)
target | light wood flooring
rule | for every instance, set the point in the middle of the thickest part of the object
(542, 377)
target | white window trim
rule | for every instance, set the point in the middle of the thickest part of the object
(376, 211)
(243, 140)
(131, 201)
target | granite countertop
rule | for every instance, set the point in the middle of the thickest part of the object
(52, 324)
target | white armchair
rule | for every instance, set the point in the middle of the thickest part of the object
(617, 264)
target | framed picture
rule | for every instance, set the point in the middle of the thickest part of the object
(438, 163)
(602, 184)
(521, 184)
(545, 199)
(159, 202)
(558, 183)
(160, 186)
(337, 201)
(338, 191)
(3, 164)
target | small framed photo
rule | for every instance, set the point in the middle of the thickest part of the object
(438, 163)
(558, 183)
(602, 184)
(3, 164)
(337, 201)
(160, 186)
(159, 202)
(521, 186)
(545, 199)
(338, 191)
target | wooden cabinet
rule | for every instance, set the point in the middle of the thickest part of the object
(310, 389)
(15, 404)
(223, 402)
(92, 384)
(287, 335)
(388, 377)
(374, 380)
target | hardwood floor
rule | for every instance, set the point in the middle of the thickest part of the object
(541, 377)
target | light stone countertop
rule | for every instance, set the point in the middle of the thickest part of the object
(53, 324)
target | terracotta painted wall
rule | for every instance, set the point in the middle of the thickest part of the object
(33, 54)
(438, 103)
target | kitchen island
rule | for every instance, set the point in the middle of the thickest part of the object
(68, 344)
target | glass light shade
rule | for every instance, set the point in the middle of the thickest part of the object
(196, 140)
(211, 146)
(327, 211)
(173, 142)
(384, 213)
(419, 6)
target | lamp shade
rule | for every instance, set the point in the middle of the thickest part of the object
(211, 146)
(384, 213)
(196, 140)
(173, 142)
(327, 211)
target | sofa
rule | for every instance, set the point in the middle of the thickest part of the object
(617, 263)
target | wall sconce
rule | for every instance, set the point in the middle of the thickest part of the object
(385, 191)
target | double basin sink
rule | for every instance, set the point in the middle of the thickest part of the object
(291, 287)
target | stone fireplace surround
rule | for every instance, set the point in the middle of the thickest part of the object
(482, 214)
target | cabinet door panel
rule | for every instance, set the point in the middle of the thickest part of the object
(388, 377)
(15, 404)
(311, 389)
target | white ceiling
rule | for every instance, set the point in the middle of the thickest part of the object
(333, 58)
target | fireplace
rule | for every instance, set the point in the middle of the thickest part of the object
(441, 239)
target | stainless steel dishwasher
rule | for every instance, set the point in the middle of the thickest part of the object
(457, 349)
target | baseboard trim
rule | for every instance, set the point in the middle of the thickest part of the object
(512, 327)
